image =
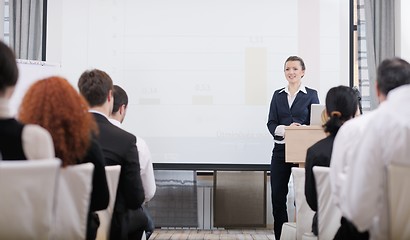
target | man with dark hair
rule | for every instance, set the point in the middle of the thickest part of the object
(119, 148)
(120, 103)
(96, 86)
(140, 218)
(391, 74)
(18, 141)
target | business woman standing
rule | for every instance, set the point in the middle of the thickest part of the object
(290, 106)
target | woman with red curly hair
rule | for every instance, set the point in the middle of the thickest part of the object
(56, 106)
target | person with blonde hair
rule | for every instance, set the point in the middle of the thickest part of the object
(55, 105)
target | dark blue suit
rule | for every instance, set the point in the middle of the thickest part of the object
(281, 114)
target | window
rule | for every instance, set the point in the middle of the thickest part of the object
(359, 73)
(24, 27)
(362, 81)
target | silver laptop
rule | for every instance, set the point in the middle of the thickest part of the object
(316, 114)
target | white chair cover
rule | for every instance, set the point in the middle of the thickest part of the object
(113, 175)
(309, 236)
(27, 190)
(399, 201)
(288, 231)
(289, 228)
(328, 214)
(73, 201)
(304, 214)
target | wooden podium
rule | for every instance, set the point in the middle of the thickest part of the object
(299, 139)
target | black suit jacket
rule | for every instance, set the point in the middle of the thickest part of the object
(100, 195)
(281, 114)
(119, 148)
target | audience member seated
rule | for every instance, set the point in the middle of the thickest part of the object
(341, 105)
(385, 138)
(142, 220)
(348, 141)
(55, 105)
(18, 141)
(119, 148)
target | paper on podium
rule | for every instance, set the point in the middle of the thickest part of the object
(299, 139)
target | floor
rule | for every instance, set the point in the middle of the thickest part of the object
(262, 234)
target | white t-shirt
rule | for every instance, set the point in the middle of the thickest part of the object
(147, 170)
(345, 147)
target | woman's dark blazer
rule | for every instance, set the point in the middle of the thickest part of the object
(280, 114)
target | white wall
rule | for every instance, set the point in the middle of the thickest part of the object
(54, 31)
(200, 74)
(402, 29)
(29, 72)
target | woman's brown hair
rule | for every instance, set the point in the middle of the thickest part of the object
(56, 106)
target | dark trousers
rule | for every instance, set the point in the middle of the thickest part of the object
(130, 224)
(138, 222)
(119, 225)
(279, 179)
(348, 231)
(93, 223)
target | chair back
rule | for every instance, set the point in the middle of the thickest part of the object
(398, 181)
(73, 201)
(328, 214)
(113, 176)
(27, 190)
(304, 214)
(288, 231)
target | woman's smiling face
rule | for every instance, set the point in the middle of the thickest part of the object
(294, 71)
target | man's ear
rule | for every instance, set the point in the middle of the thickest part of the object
(122, 109)
(377, 89)
(110, 96)
(380, 96)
